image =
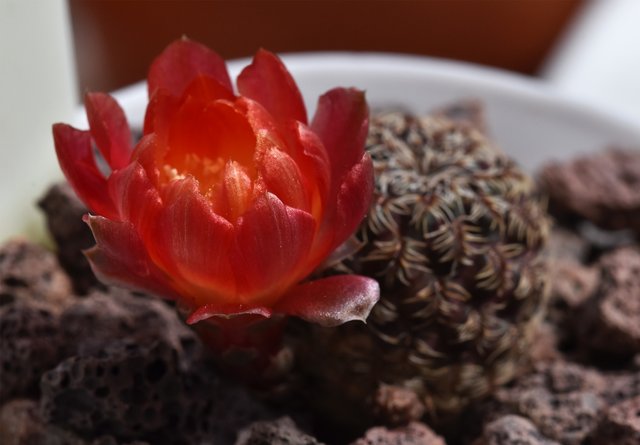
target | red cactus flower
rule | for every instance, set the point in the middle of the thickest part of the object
(228, 202)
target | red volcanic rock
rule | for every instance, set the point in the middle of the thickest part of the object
(92, 323)
(33, 292)
(29, 271)
(397, 406)
(562, 400)
(413, 434)
(282, 431)
(510, 430)
(30, 344)
(140, 392)
(64, 211)
(612, 318)
(603, 188)
(565, 244)
(21, 424)
(621, 424)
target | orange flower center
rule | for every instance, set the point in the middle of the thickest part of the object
(215, 144)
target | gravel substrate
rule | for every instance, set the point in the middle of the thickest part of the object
(82, 363)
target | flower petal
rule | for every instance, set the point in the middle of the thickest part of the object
(120, 257)
(149, 152)
(181, 62)
(353, 201)
(342, 122)
(226, 310)
(267, 131)
(161, 107)
(231, 197)
(332, 301)
(190, 241)
(271, 248)
(75, 156)
(268, 82)
(109, 129)
(135, 196)
(344, 215)
(313, 161)
(214, 131)
(283, 178)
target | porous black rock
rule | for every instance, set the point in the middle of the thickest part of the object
(415, 433)
(511, 430)
(29, 271)
(282, 431)
(139, 392)
(64, 212)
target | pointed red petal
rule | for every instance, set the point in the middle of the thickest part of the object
(190, 241)
(208, 89)
(313, 161)
(163, 105)
(75, 156)
(272, 244)
(344, 215)
(265, 127)
(135, 196)
(332, 301)
(354, 199)
(226, 310)
(161, 108)
(235, 192)
(283, 178)
(149, 153)
(109, 129)
(268, 82)
(181, 62)
(120, 258)
(342, 122)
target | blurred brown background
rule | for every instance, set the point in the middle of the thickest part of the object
(115, 40)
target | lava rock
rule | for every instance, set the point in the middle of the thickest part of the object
(557, 377)
(562, 400)
(64, 212)
(30, 344)
(140, 392)
(20, 424)
(565, 401)
(110, 440)
(565, 244)
(94, 322)
(29, 271)
(568, 418)
(413, 434)
(33, 291)
(621, 425)
(114, 392)
(282, 431)
(510, 430)
(397, 406)
(545, 348)
(571, 285)
(603, 188)
(565, 377)
(621, 386)
(601, 240)
(612, 317)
